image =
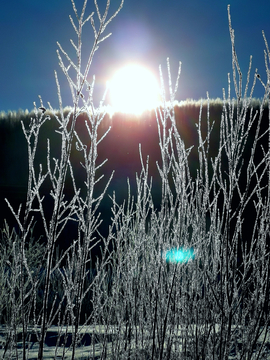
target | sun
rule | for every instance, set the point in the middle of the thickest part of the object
(133, 89)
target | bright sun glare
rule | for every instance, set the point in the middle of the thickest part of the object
(134, 89)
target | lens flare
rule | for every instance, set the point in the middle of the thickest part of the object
(179, 255)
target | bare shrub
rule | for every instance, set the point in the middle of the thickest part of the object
(179, 280)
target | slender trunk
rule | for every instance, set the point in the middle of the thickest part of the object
(65, 156)
(166, 316)
(155, 317)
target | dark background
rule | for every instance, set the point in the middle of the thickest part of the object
(120, 147)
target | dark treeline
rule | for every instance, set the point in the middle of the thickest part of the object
(120, 147)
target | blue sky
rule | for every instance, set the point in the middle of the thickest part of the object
(145, 31)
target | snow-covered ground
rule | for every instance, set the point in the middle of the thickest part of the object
(86, 351)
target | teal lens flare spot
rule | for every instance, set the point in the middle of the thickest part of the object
(180, 255)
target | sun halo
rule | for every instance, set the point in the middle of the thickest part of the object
(133, 89)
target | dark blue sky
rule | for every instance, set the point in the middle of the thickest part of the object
(148, 31)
